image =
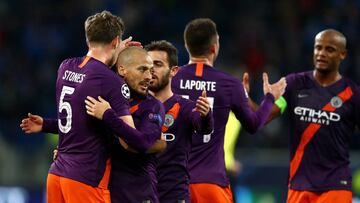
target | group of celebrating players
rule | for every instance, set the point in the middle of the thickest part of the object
(135, 127)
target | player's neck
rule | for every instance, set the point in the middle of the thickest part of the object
(205, 60)
(163, 94)
(99, 54)
(326, 79)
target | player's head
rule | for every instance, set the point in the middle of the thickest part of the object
(165, 58)
(135, 66)
(201, 38)
(329, 50)
(105, 29)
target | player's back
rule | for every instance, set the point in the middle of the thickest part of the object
(206, 162)
(82, 150)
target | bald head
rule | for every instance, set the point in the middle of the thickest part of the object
(335, 36)
(135, 65)
(130, 55)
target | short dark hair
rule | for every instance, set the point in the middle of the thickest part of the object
(103, 27)
(199, 35)
(167, 47)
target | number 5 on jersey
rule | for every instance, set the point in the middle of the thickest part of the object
(64, 105)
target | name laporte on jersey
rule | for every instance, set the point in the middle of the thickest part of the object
(209, 86)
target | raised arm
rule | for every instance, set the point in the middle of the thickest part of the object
(253, 121)
(280, 103)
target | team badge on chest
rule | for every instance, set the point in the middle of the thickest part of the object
(169, 120)
(336, 102)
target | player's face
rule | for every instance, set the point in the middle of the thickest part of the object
(161, 75)
(328, 53)
(138, 74)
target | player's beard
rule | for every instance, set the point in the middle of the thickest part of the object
(136, 94)
(327, 70)
(163, 82)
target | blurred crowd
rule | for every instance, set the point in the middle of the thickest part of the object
(35, 36)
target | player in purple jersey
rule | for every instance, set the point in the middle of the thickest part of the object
(134, 66)
(183, 117)
(133, 175)
(324, 110)
(208, 179)
(82, 169)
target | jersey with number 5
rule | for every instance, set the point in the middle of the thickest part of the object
(83, 140)
(224, 93)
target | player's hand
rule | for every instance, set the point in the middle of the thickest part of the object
(277, 89)
(32, 124)
(96, 108)
(245, 82)
(202, 104)
(128, 43)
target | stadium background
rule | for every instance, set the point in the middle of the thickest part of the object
(256, 36)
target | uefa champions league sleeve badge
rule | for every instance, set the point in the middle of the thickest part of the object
(125, 91)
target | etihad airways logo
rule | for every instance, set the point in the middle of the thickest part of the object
(316, 116)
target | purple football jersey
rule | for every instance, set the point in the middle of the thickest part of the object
(83, 148)
(172, 172)
(225, 93)
(322, 120)
(133, 175)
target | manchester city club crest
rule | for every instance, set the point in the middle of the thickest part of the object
(169, 120)
(336, 102)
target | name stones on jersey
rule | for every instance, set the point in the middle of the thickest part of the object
(73, 76)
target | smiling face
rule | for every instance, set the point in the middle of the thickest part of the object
(329, 51)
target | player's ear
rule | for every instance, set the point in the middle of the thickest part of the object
(213, 49)
(187, 48)
(343, 54)
(174, 70)
(115, 42)
(121, 70)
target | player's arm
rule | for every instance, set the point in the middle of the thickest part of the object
(140, 141)
(158, 146)
(203, 122)
(36, 124)
(151, 126)
(253, 121)
(279, 105)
